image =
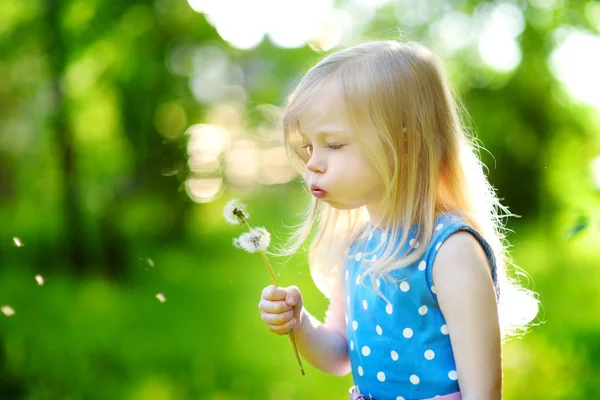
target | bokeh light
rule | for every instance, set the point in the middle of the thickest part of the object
(595, 171)
(500, 27)
(576, 62)
(203, 190)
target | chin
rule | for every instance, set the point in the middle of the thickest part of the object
(339, 206)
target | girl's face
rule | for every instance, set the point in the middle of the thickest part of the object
(337, 164)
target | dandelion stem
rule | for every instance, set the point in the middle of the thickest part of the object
(266, 260)
(243, 220)
(291, 332)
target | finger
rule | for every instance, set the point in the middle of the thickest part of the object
(277, 319)
(282, 329)
(293, 295)
(294, 299)
(273, 307)
(273, 293)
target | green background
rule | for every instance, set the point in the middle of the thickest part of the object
(95, 97)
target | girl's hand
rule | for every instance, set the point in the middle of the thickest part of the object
(281, 308)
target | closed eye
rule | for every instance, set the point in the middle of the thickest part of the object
(329, 146)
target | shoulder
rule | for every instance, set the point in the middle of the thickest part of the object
(461, 254)
(462, 263)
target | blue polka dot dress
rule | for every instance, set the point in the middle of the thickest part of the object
(401, 349)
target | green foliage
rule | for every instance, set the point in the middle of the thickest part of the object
(94, 102)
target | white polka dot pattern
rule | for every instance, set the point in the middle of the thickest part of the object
(366, 351)
(423, 343)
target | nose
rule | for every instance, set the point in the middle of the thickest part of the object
(315, 165)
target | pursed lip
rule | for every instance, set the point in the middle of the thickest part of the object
(317, 191)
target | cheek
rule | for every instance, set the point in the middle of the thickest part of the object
(374, 187)
(367, 179)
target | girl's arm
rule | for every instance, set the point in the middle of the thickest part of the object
(465, 290)
(325, 345)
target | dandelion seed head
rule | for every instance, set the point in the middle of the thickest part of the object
(257, 239)
(8, 311)
(235, 212)
(39, 279)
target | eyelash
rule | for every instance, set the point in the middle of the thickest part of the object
(331, 146)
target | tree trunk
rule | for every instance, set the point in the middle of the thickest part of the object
(74, 228)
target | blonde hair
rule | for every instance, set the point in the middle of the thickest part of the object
(424, 157)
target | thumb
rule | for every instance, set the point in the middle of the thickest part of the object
(293, 299)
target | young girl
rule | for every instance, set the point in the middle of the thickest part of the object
(409, 246)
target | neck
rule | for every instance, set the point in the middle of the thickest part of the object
(378, 220)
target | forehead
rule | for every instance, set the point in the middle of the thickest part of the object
(325, 112)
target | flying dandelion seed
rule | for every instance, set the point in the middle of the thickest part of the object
(161, 297)
(18, 242)
(39, 279)
(150, 262)
(8, 311)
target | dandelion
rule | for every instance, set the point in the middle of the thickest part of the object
(256, 240)
(235, 212)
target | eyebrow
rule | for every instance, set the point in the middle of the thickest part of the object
(328, 133)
